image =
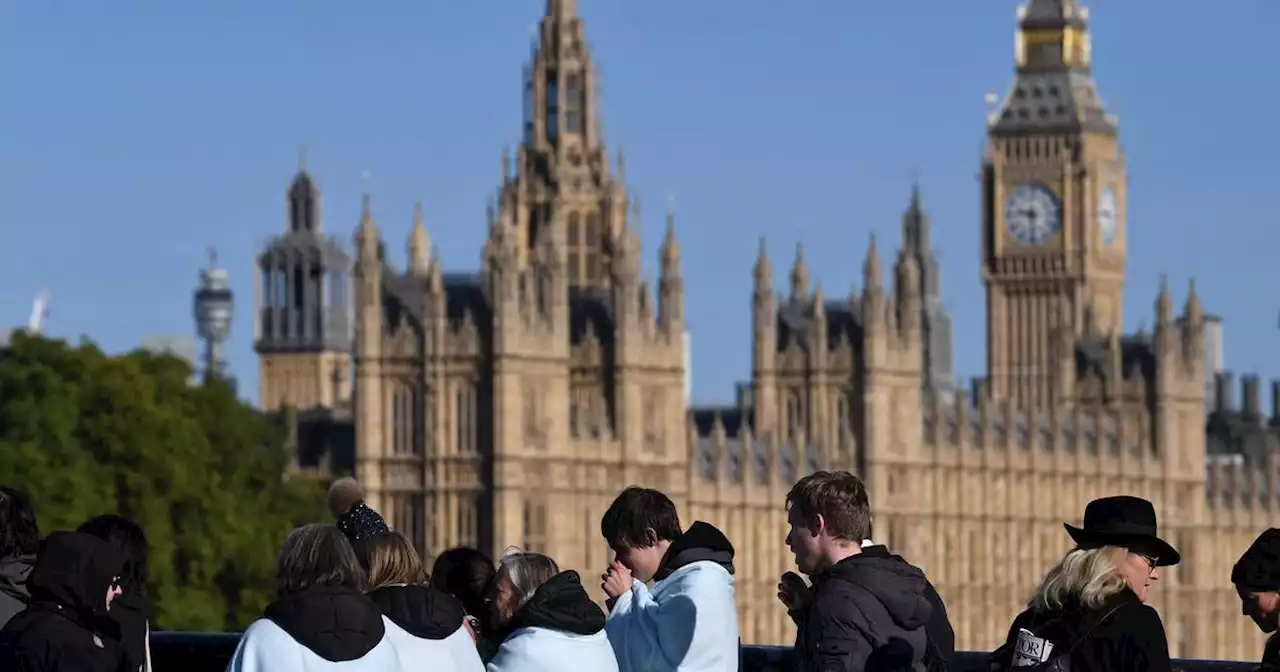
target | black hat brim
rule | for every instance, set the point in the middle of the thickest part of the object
(1165, 555)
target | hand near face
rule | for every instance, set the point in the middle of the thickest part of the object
(793, 592)
(616, 580)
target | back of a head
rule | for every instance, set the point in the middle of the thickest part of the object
(317, 555)
(528, 571)
(636, 510)
(19, 532)
(839, 497)
(391, 560)
(128, 540)
(464, 573)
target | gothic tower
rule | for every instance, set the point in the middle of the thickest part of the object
(303, 327)
(1053, 184)
(562, 176)
(935, 323)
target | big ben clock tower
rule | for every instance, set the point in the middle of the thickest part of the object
(1053, 183)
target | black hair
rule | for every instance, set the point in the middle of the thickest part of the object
(465, 573)
(19, 532)
(635, 511)
(129, 541)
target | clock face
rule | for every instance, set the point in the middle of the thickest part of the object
(1107, 215)
(1033, 214)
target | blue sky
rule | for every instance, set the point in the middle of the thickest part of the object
(136, 133)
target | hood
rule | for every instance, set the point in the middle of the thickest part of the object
(337, 624)
(73, 572)
(899, 586)
(13, 576)
(560, 604)
(702, 541)
(422, 611)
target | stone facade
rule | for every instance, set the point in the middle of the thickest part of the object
(507, 407)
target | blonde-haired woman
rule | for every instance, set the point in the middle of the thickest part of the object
(428, 626)
(1090, 611)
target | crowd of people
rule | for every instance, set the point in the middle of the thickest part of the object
(355, 596)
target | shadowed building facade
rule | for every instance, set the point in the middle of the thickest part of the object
(508, 406)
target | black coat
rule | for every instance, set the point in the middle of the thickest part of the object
(939, 627)
(1122, 635)
(422, 611)
(66, 628)
(129, 614)
(867, 613)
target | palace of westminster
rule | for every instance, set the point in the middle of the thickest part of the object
(509, 405)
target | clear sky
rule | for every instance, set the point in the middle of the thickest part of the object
(136, 133)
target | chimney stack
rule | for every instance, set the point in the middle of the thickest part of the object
(1222, 390)
(1249, 391)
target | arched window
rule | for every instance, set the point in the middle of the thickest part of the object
(553, 106)
(465, 418)
(575, 230)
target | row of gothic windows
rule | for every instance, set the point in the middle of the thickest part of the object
(583, 248)
(405, 409)
(296, 297)
(796, 419)
(573, 103)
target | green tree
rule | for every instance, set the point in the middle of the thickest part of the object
(87, 433)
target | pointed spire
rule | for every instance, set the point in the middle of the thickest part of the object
(506, 164)
(1192, 310)
(419, 244)
(670, 248)
(1164, 304)
(367, 232)
(302, 158)
(621, 171)
(872, 272)
(799, 274)
(763, 268)
(915, 223)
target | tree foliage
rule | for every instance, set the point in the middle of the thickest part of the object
(86, 433)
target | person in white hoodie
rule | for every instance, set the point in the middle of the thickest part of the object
(430, 628)
(546, 620)
(687, 621)
(321, 619)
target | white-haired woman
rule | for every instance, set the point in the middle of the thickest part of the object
(1090, 611)
(546, 620)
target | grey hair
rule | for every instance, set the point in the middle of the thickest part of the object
(527, 571)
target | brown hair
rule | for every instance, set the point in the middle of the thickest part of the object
(839, 497)
(391, 560)
(317, 555)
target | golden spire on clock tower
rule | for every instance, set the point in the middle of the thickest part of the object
(1053, 199)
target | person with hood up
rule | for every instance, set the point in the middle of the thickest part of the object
(19, 539)
(64, 629)
(687, 621)
(862, 612)
(321, 619)
(130, 612)
(1256, 576)
(432, 631)
(546, 620)
(1090, 611)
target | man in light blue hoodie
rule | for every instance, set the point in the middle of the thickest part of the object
(687, 621)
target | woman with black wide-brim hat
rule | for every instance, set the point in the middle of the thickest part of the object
(1090, 612)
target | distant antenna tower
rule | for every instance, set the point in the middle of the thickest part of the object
(214, 305)
(39, 311)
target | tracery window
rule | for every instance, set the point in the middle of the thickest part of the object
(466, 418)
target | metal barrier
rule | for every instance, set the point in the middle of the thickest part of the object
(210, 652)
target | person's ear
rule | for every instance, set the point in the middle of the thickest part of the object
(819, 524)
(650, 537)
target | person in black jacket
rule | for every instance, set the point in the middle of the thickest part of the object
(19, 539)
(72, 587)
(130, 612)
(862, 612)
(1256, 576)
(942, 636)
(467, 574)
(1090, 611)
